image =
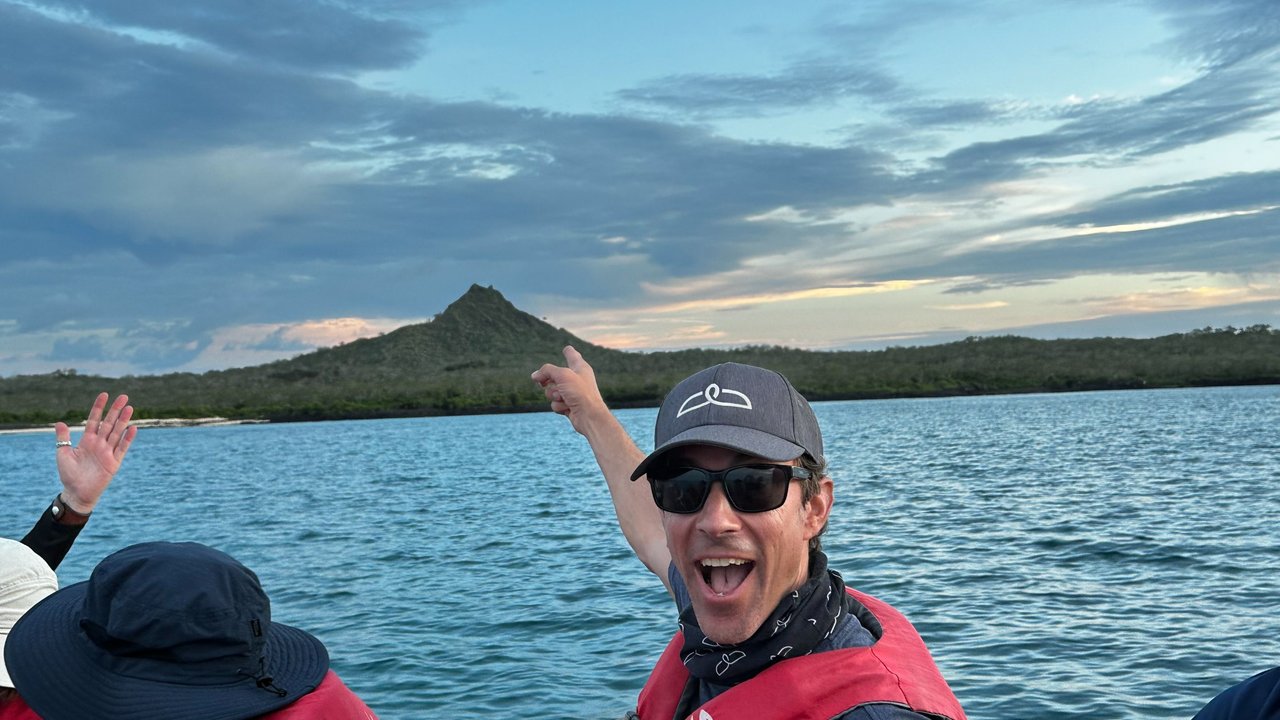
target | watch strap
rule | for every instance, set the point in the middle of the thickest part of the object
(63, 514)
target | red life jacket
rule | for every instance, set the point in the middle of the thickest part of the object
(16, 709)
(896, 669)
(331, 700)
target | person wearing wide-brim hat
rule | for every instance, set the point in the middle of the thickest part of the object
(25, 579)
(171, 631)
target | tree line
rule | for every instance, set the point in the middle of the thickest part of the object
(484, 367)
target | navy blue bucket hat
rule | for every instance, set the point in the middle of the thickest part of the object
(161, 631)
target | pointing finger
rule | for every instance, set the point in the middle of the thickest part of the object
(542, 375)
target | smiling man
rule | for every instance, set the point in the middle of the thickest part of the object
(727, 510)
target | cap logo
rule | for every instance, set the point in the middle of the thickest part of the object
(711, 396)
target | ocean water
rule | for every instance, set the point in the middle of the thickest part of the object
(1101, 555)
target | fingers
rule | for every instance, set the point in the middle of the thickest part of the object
(125, 441)
(63, 434)
(108, 425)
(574, 360)
(548, 372)
(118, 424)
(95, 414)
(544, 374)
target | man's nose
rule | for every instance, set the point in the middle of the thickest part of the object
(717, 516)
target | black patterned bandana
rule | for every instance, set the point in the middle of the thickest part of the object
(805, 617)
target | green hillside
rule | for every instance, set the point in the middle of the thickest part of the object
(476, 356)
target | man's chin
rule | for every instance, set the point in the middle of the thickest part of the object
(725, 627)
(731, 636)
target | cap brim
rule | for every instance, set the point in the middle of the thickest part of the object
(747, 441)
(58, 678)
(5, 680)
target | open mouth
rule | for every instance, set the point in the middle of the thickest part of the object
(724, 575)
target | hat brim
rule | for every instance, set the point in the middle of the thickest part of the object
(747, 441)
(57, 676)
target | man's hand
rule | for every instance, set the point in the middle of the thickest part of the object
(86, 469)
(572, 390)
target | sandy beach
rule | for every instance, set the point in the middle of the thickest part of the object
(149, 423)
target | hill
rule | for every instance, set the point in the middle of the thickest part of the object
(476, 357)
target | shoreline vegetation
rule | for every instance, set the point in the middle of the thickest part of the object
(476, 356)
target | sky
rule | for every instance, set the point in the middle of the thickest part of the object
(188, 185)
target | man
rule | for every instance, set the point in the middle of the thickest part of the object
(736, 498)
(85, 470)
(1257, 698)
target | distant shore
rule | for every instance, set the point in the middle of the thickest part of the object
(147, 423)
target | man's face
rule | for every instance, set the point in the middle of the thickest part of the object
(738, 566)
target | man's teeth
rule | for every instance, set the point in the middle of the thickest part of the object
(722, 562)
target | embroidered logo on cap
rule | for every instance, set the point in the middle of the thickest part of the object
(711, 395)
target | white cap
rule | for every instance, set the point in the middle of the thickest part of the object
(25, 579)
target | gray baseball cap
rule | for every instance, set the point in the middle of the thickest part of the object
(740, 407)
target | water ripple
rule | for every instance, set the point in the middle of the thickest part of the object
(1102, 555)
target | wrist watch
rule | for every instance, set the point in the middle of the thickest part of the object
(64, 515)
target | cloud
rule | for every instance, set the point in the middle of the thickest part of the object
(1221, 194)
(213, 197)
(994, 304)
(1223, 99)
(77, 348)
(1222, 33)
(1233, 244)
(177, 172)
(329, 36)
(278, 342)
(957, 113)
(801, 84)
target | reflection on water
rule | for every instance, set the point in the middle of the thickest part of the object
(1110, 555)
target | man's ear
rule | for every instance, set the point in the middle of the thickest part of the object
(818, 508)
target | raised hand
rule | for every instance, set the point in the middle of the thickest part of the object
(87, 468)
(571, 390)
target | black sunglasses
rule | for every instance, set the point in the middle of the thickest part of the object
(749, 488)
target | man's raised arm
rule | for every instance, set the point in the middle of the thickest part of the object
(573, 392)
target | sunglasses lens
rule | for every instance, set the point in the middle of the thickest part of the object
(757, 489)
(681, 492)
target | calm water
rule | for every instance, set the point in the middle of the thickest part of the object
(1102, 555)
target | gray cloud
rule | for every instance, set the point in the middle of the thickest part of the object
(1214, 105)
(319, 36)
(951, 114)
(240, 178)
(1227, 193)
(74, 349)
(277, 342)
(1223, 32)
(1234, 244)
(802, 84)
